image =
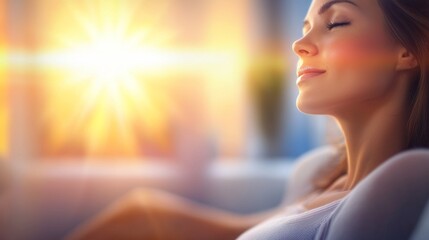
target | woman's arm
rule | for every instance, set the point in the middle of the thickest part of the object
(151, 214)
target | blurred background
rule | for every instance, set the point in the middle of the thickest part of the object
(98, 97)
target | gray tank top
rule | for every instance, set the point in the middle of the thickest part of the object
(387, 204)
(295, 223)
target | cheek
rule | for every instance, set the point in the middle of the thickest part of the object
(361, 63)
(359, 54)
(358, 69)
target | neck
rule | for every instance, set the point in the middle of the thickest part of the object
(369, 146)
(372, 135)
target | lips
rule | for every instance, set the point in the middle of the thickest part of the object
(306, 72)
(309, 71)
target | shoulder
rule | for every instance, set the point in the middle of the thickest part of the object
(388, 202)
(411, 164)
(310, 165)
(406, 172)
(317, 159)
(308, 168)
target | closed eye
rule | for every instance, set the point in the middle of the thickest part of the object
(332, 25)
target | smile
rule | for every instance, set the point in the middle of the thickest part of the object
(307, 73)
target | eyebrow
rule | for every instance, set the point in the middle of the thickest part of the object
(326, 6)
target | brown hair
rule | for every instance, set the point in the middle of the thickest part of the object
(408, 22)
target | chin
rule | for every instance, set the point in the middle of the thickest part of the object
(312, 111)
(316, 107)
(311, 107)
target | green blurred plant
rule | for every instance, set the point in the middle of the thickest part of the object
(266, 83)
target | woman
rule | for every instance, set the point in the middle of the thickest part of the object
(365, 63)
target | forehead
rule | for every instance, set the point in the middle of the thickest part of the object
(369, 8)
(319, 6)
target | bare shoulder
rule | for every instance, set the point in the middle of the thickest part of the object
(311, 164)
(308, 168)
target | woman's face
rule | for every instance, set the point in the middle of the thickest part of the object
(347, 56)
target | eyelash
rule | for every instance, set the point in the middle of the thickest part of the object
(332, 25)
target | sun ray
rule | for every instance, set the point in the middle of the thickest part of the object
(100, 70)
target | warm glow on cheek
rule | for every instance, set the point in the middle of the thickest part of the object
(359, 53)
(360, 63)
(357, 69)
(345, 54)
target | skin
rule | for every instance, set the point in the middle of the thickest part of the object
(364, 88)
(154, 214)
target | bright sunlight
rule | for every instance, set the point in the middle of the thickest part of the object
(4, 133)
(105, 64)
(112, 72)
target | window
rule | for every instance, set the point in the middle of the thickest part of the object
(131, 79)
(3, 85)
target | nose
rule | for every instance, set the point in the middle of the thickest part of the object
(304, 48)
